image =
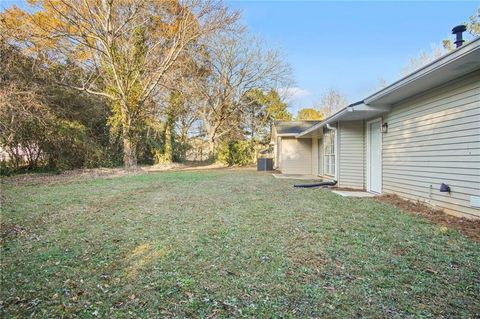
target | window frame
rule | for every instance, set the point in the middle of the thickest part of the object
(330, 153)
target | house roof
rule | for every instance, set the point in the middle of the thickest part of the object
(459, 62)
(293, 127)
(355, 111)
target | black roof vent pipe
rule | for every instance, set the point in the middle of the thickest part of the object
(458, 31)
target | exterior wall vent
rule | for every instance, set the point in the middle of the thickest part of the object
(475, 201)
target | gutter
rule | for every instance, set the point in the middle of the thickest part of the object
(331, 118)
(357, 103)
(288, 134)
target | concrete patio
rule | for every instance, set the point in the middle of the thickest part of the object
(354, 194)
(297, 177)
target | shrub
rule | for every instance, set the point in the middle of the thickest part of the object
(236, 152)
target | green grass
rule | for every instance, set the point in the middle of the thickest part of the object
(226, 243)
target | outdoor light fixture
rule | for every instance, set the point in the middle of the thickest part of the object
(444, 188)
(384, 127)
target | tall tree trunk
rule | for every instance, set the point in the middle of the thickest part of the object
(212, 135)
(211, 146)
(129, 143)
(129, 152)
(168, 144)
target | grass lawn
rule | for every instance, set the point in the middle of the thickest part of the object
(224, 243)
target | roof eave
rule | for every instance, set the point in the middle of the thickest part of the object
(354, 112)
(373, 104)
(287, 134)
(329, 119)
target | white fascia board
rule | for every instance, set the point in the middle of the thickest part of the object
(368, 108)
(288, 134)
(312, 129)
(330, 119)
(363, 111)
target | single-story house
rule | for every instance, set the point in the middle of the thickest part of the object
(408, 138)
(292, 155)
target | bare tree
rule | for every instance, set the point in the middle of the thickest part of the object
(124, 49)
(423, 59)
(330, 102)
(186, 118)
(436, 51)
(382, 83)
(235, 63)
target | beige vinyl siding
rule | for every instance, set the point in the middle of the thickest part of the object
(351, 154)
(315, 156)
(275, 153)
(277, 150)
(435, 138)
(296, 155)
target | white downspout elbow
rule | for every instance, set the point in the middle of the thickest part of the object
(331, 127)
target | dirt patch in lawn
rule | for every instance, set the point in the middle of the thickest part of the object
(185, 167)
(69, 176)
(106, 173)
(11, 230)
(470, 227)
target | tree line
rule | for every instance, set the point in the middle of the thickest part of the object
(88, 83)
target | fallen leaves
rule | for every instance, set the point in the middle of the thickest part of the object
(469, 227)
(164, 245)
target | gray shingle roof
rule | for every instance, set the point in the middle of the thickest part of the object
(293, 127)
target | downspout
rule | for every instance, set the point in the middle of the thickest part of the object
(349, 108)
(332, 128)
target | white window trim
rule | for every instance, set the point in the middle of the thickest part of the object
(369, 157)
(320, 156)
(335, 153)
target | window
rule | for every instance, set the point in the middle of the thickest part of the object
(329, 153)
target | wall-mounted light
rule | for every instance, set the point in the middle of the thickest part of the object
(444, 188)
(384, 127)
